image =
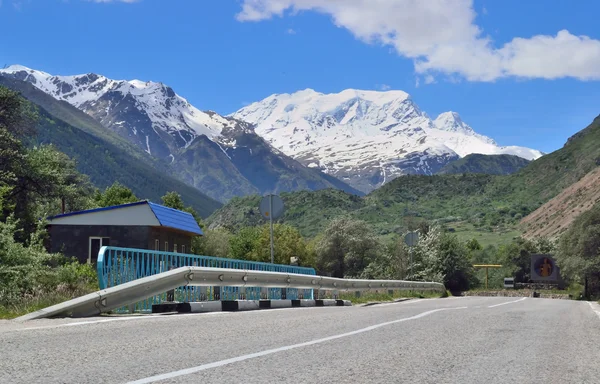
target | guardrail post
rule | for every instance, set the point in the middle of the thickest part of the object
(264, 293)
(217, 293)
(283, 293)
(335, 294)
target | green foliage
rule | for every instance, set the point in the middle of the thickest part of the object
(517, 255)
(579, 249)
(16, 115)
(487, 164)
(287, 243)
(243, 244)
(454, 264)
(347, 247)
(28, 271)
(173, 200)
(116, 194)
(391, 263)
(213, 243)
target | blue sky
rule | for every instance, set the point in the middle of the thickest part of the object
(458, 55)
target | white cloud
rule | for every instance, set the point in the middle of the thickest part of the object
(442, 38)
(384, 87)
(291, 31)
(429, 79)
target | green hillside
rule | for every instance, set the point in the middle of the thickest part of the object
(488, 164)
(474, 205)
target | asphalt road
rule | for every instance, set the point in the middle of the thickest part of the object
(453, 340)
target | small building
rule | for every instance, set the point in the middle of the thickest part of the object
(142, 225)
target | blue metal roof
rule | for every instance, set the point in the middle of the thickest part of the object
(97, 210)
(173, 218)
(167, 217)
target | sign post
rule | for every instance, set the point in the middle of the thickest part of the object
(271, 207)
(411, 240)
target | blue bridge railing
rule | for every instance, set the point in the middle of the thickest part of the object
(121, 265)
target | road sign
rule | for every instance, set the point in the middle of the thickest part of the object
(411, 239)
(271, 207)
(509, 282)
(543, 268)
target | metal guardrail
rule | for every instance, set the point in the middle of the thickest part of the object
(118, 266)
(134, 291)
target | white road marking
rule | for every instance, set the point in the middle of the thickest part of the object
(128, 318)
(238, 359)
(508, 302)
(596, 311)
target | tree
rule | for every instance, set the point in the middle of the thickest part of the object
(35, 181)
(173, 200)
(454, 264)
(390, 264)
(287, 243)
(347, 247)
(17, 116)
(579, 250)
(116, 194)
(517, 255)
(243, 244)
(44, 179)
(213, 243)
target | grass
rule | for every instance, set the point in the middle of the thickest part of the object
(41, 301)
(467, 231)
(26, 306)
(370, 297)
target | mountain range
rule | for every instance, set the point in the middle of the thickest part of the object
(354, 141)
(367, 138)
(220, 156)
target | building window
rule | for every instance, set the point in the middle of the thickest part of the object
(175, 247)
(95, 243)
(166, 246)
(156, 245)
(183, 249)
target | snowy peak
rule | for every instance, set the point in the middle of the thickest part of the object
(150, 114)
(366, 137)
(451, 122)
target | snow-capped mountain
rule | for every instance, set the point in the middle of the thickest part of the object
(150, 114)
(366, 138)
(221, 156)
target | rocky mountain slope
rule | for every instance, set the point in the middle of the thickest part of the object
(367, 138)
(554, 217)
(101, 154)
(166, 126)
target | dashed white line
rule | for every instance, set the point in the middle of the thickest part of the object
(596, 311)
(221, 363)
(508, 302)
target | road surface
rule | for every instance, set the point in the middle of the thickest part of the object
(452, 340)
